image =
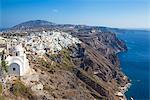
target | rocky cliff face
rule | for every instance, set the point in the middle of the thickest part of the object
(84, 71)
(98, 72)
(100, 59)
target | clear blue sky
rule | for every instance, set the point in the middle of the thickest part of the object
(113, 13)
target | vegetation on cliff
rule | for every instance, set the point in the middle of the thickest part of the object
(84, 71)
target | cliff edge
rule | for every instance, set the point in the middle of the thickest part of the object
(85, 70)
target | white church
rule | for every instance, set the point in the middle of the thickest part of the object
(18, 63)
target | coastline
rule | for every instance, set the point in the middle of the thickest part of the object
(124, 89)
(136, 59)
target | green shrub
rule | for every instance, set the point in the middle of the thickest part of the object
(61, 60)
(19, 89)
(2, 98)
(1, 89)
(4, 66)
(66, 63)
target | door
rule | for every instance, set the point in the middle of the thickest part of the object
(14, 69)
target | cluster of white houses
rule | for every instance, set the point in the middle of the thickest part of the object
(51, 41)
(37, 43)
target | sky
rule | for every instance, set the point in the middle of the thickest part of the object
(111, 13)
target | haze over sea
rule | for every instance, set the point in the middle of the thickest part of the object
(135, 63)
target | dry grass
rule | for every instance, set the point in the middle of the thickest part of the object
(19, 89)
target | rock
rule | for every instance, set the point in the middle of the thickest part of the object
(37, 87)
(52, 87)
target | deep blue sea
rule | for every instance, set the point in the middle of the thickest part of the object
(135, 63)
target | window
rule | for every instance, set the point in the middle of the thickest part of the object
(17, 53)
(14, 69)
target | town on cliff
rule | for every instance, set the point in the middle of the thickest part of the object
(50, 61)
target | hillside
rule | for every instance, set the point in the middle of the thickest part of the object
(83, 70)
(32, 24)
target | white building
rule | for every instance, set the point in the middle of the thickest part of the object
(18, 63)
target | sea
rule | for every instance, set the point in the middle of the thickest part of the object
(135, 63)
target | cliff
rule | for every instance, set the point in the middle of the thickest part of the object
(85, 71)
